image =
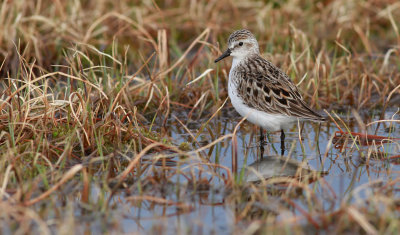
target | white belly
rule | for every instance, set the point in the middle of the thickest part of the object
(269, 122)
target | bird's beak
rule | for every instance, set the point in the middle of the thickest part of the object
(224, 55)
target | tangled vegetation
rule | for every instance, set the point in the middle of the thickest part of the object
(110, 107)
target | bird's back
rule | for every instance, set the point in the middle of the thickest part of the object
(264, 87)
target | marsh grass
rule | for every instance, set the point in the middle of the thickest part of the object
(90, 92)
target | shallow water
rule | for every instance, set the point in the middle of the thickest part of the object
(205, 210)
(189, 195)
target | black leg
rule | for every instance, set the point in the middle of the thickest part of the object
(261, 142)
(282, 142)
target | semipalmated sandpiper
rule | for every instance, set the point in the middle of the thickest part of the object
(260, 91)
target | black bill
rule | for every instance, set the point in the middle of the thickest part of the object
(224, 55)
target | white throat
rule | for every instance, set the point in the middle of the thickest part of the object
(236, 60)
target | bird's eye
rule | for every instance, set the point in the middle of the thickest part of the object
(240, 43)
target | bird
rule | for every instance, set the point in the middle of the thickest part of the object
(262, 92)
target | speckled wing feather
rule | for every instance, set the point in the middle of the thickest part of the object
(265, 87)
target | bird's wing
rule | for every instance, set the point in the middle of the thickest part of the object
(273, 92)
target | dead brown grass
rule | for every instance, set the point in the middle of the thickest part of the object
(89, 91)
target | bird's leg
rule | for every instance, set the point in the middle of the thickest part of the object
(261, 142)
(282, 142)
(261, 136)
